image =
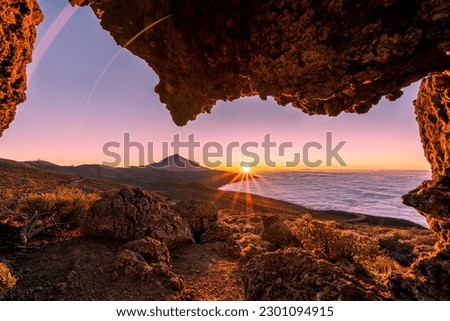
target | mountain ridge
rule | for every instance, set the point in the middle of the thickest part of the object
(177, 162)
(157, 176)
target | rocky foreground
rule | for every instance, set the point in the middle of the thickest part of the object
(135, 245)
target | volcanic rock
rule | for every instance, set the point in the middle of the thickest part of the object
(153, 251)
(428, 279)
(432, 198)
(18, 20)
(133, 266)
(400, 252)
(294, 275)
(131, 214)
(278, 233)
(433, 115)
(201, 216)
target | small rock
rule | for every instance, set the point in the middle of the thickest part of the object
(278, 233)
(152, 250)
(60, 288)
(38, 289)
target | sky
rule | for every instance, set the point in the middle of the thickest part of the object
(79, 99)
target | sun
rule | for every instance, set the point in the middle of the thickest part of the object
(246, 169)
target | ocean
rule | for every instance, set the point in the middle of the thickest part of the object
(367, 192)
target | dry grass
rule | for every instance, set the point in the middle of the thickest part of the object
(325, 239)
(67, 203)
(47, 212)
(423, 241)
(8, 198)
(17, 182)
(7, 280)
(382, 266)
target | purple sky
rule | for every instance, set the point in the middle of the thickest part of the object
(58, 124)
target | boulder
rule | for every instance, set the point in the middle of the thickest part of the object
(153, 251)
(294, 275)
(132, 266)
(277, 232)
(201, 216)
(131, 214)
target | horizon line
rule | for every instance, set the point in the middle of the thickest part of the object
(236, 166)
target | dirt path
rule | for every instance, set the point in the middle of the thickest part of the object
(209, 273)
(74, 270)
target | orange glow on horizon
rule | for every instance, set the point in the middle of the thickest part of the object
(353, 164)
(352, 167)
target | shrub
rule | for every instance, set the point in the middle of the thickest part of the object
(8, 198)
(7, 280)
(383, 266)
(325, 239)
(65, 203)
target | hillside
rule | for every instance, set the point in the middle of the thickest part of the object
(173, 170)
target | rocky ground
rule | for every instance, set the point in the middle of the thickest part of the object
(234, 262)
(136, 245)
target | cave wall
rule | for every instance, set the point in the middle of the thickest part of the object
(432, 198)
(18, 20)
(431, 275)
(323, 57)
(432, 108)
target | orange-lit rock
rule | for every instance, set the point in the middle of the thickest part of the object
(432, 198)
(18, 20)
(132, 214)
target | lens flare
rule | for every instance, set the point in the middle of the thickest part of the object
(50, 35)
